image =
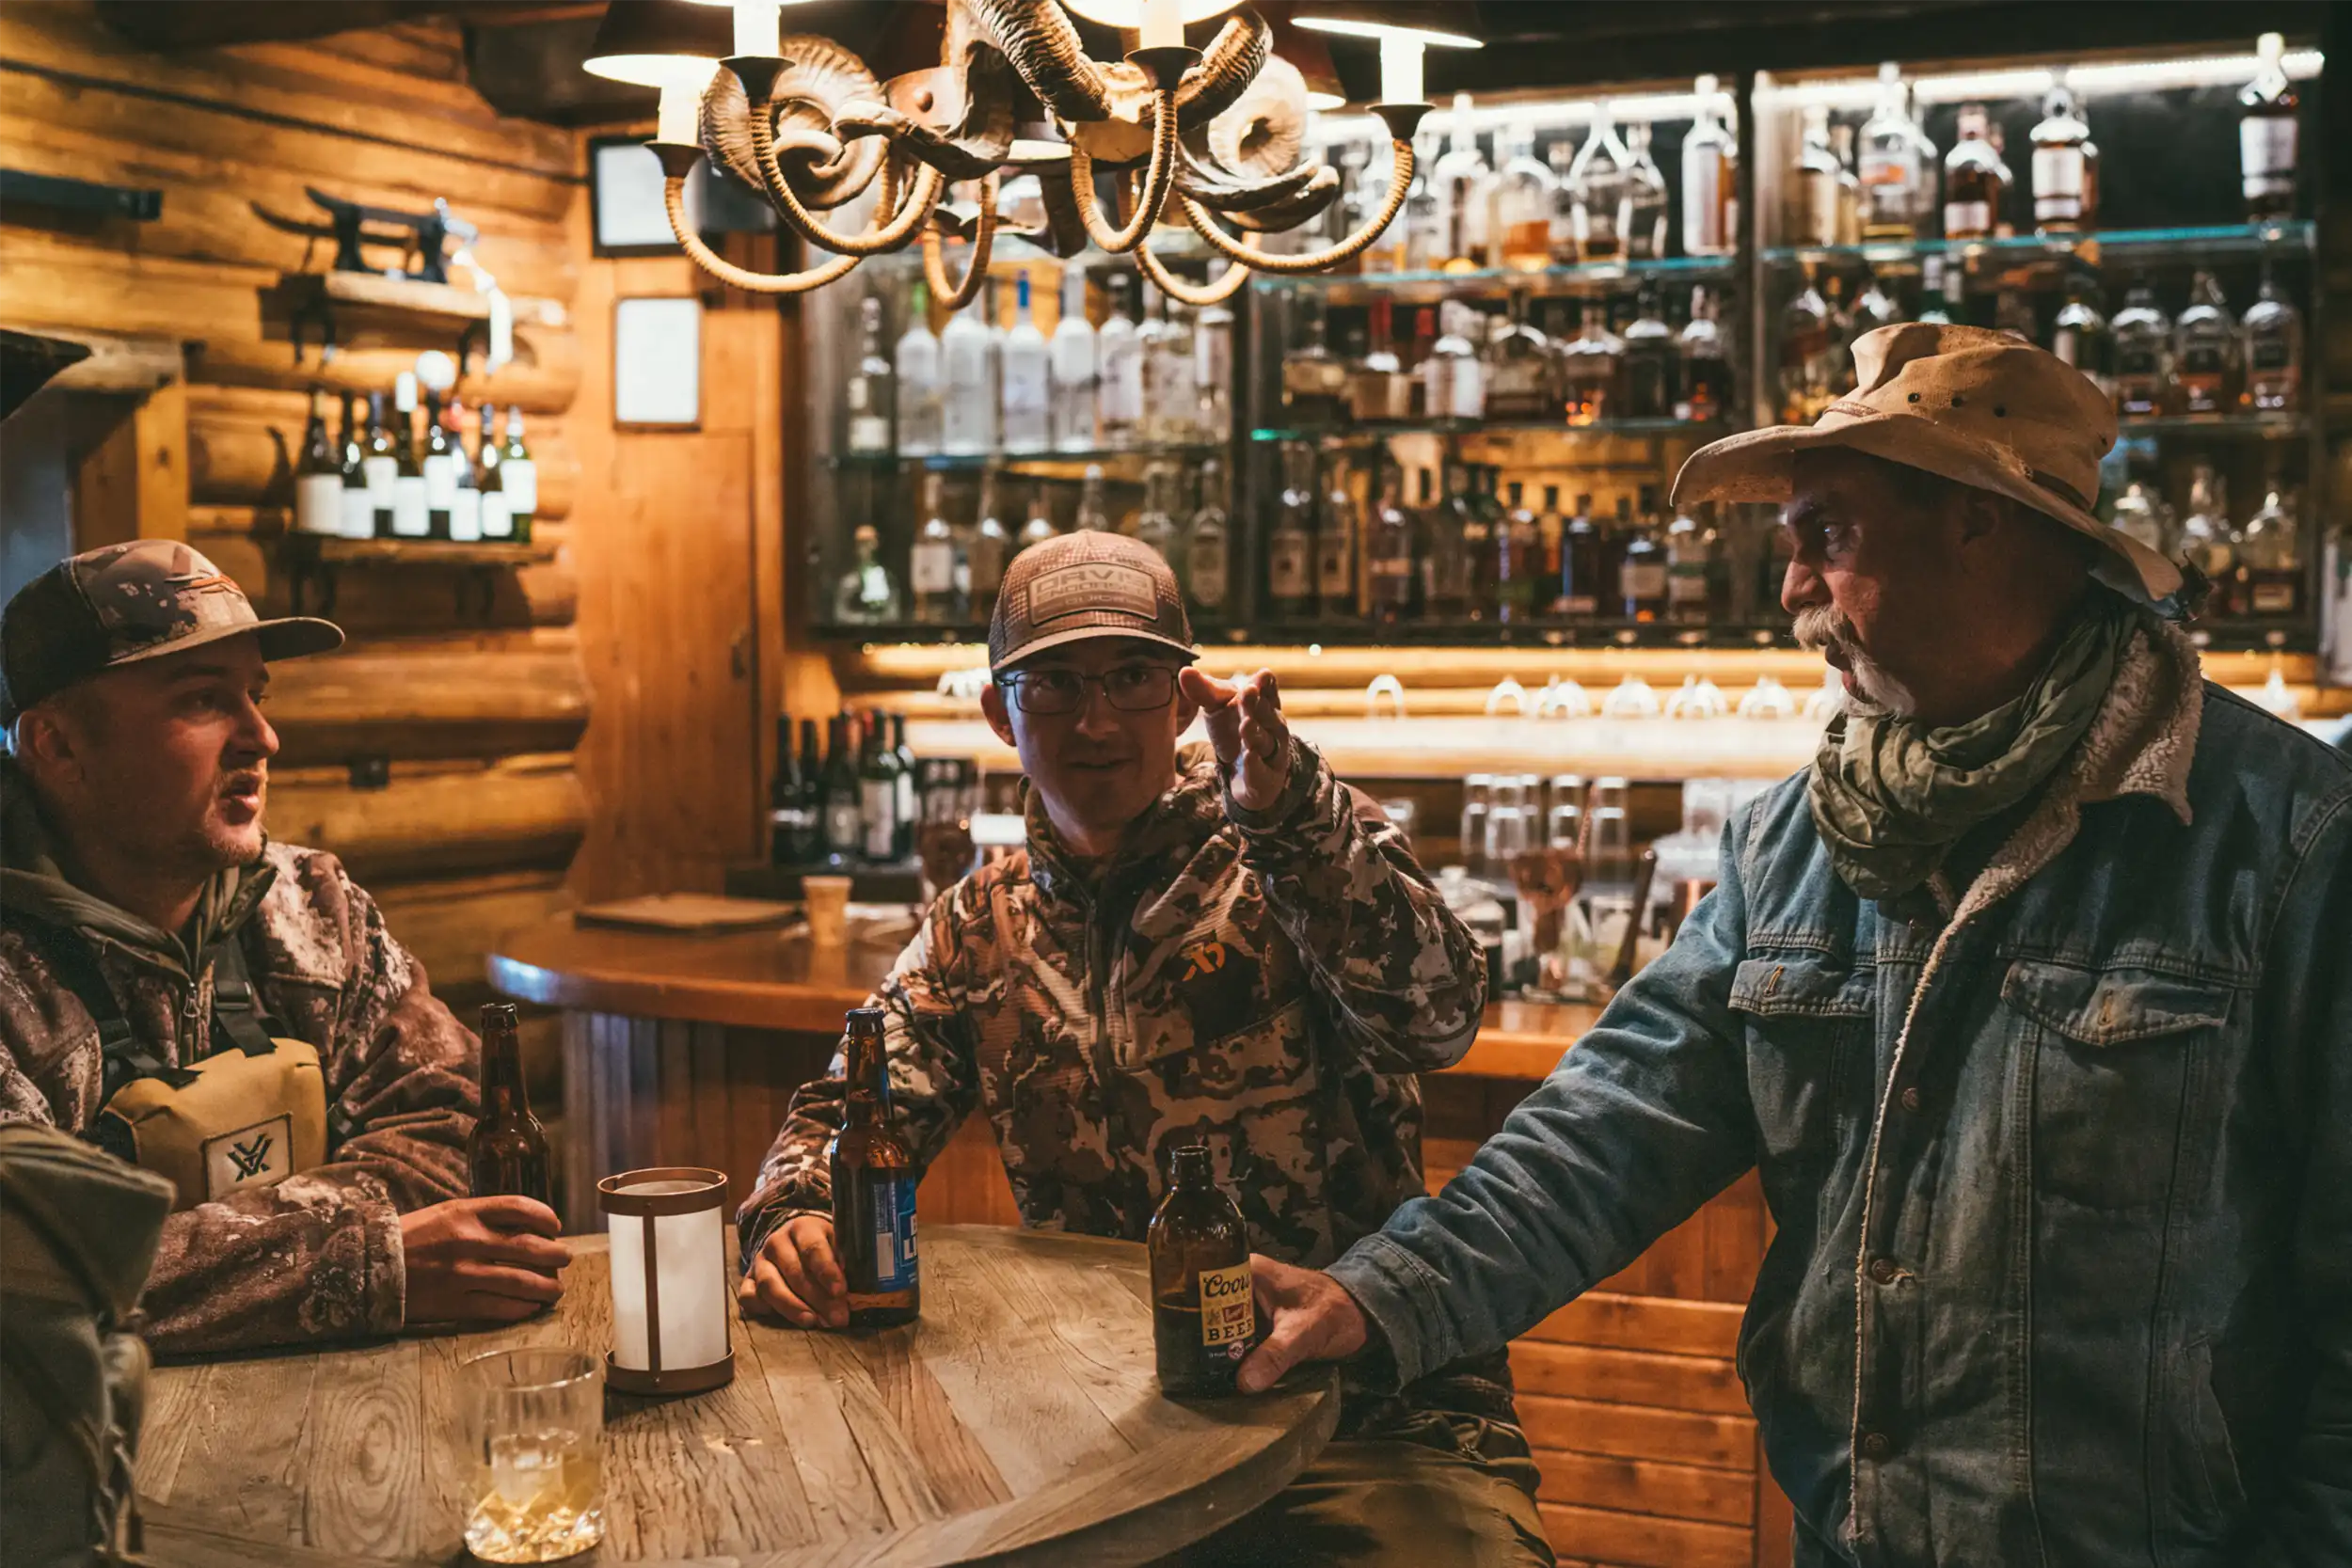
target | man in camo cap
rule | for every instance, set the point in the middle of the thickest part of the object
(1268, 970)
(152, 937)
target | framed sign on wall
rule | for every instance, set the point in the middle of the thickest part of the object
(656, 363)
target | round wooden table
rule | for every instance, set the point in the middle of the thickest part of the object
(1017, 1421)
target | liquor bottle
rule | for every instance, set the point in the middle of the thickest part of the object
(465, 501)
(1203, 1313)
(2269, 557)
(1070, 359)
(1642, 564)
(1517, 367)
(1155, 524)
(1027, 392)
(1777, 550)
(2273, 348)
(2142, 514)
(1378, 391)
(1290, 563)
(1388, 564)
(2063, 190)
(319, 476)
(1518, 553)
(1808, 354)
(519, 472)
(932, 562)
(382, 467)
(1898, 167)
(967, 405)
(915, 366)
(793, 829)
(985, 549)
(1336, 534)
(867, 593)
(1589, 367)
(2142, 336)
(1119, 361)
(1644, 224)
(497, 511)
(1710, 179)
(1171, 402)
(439, 469)
(842, 820)
(411, 518)
(2206, 541)
(1551, 526)
(356, 518)
(2267, 107)
(1976, 182)
(1706, 373)
(1560, 159)
(1692, 571)
(1815, 198)
(1212, 373)
(506, 1153)
(1648, 376)
(878, 792)
(1475, 527)
(1151, 354)
(1461, 178)
(1093, 517)
(2206, 350)
(1423, 221)
(901, 756)
(2079, 335)
(1600, 189)
(1314, 381)
(1207, 553)
(1875, 308)
(1523, 194)
(1849, 186)
(868, 396)
(1453, 378)
(873, 1187)
(1445, 568)
(1039, 526)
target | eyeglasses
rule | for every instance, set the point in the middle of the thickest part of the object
(1130, 688)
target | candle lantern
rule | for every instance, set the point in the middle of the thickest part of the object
(668, 1280)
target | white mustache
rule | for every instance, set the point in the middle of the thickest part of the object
(1824, 627)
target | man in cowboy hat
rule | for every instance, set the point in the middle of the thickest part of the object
(2032, 1001)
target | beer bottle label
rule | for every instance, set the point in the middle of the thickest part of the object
(890, 1214)
(1227, 1310)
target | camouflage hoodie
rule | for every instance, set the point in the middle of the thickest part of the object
(1265, 983)
(318, 1255)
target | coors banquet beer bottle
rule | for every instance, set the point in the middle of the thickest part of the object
(507, 1153)
(1204, 1312)
(873, 1188)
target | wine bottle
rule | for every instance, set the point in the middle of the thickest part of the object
(497, 511)
(357, 518)
(410, 517)
(465, 499)
(319, 479)
(521, 476)
(382, 467)
(441, 470)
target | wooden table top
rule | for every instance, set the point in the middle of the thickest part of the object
(1017, 1421)
(771, 979)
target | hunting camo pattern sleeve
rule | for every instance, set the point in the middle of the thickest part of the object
(317, 1256)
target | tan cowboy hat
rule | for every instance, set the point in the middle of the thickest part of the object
(1981, 407)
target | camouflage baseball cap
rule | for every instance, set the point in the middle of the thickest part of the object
(123, 603)
(1084, 585)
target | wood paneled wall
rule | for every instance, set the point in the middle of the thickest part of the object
(480, 715)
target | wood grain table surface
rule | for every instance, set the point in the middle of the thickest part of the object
(769, 979)
(1017, 1422)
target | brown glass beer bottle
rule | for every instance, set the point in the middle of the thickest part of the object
(507, 1155)
(1204, 1312)
(873, 1188)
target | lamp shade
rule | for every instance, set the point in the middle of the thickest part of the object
(657, 44)
(1129, 13)
(669, 1279)
(1437, 25)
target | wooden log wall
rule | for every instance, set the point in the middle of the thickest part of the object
(476, 712)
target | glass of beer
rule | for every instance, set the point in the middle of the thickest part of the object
(537, 1429)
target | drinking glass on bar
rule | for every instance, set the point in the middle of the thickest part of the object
(536, 1422)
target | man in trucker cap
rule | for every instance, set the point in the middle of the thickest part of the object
(1217, 948)
(2032, 999)
(227, 1010)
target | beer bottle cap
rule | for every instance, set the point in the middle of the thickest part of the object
(866, 1020)
(498, 1012)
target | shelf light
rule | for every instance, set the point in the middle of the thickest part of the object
(2094, 79)
(1132, 14)
(1536, 114)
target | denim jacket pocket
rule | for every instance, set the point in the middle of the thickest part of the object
(2114, 1052)
(1807, 1018)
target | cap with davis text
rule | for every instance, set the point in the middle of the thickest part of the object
(1085, 585)
(123, 603)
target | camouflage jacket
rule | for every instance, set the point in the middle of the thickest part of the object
(1266, 984)
(317, 1256)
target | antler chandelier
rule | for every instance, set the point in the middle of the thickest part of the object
(1220, 132)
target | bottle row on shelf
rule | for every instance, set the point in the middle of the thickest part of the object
(2207, 361)
(2255, 563)
(387, 480)
(864, 800)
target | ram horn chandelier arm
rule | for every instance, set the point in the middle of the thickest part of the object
(677, 162)
(1158, 178)
(1216, 293)
(888, 235)
(956, 296)
(1400, 180)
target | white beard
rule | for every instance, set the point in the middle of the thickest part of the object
(1868, 685)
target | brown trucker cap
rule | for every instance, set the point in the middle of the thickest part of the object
(1082, 585)
(123, 603)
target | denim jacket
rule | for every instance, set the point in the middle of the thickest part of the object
(2063, 1180)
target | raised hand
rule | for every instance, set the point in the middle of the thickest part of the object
(1245, 720)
